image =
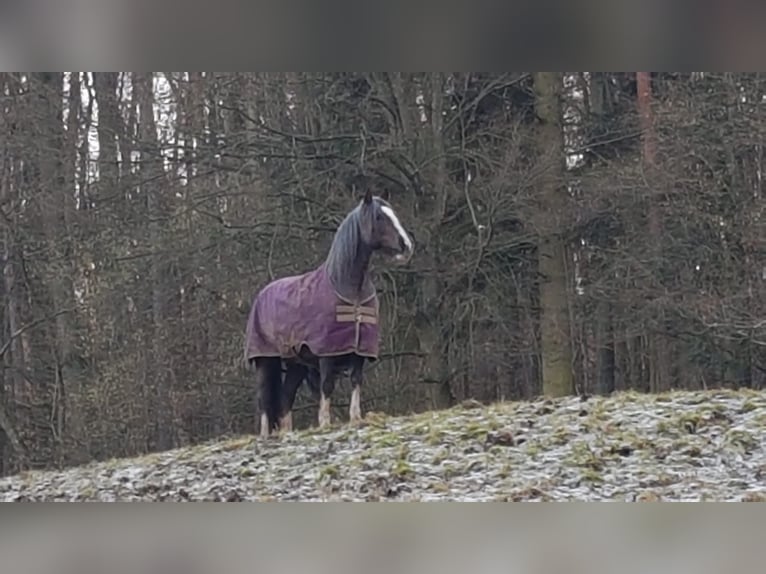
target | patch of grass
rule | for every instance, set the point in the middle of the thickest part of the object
(401, 470)
(597, 412)
(663, 427)
(246, 472)
(434, 436)
(376, 419)
(663, 479)
(529, 493)
(471, 404)
(195, 453)
(561, 436)
(451, 471)
(754, 497)
(86, 493)
(440, 457)
(533, 448)
(636, 441)
(493, 424)
(330, 472)
(749, 406)
(690, 422)
(693, 451)
(496, 450)
(648, 496)
(583, 456)
(385, 439)
(472, 466)
(715, 413)
(680, 444)
(689, 399)
(240, 443)
(440, 487)
(332, 428)
(504, 472)
(591, 475)
(742, 439)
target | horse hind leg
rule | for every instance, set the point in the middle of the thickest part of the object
(312, 380)
(293, 379)
(268, 372)
(326, 387)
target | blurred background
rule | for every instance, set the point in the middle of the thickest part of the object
(576, 232)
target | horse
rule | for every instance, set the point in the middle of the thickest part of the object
(323, 323)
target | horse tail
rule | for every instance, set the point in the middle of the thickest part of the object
(312, 380)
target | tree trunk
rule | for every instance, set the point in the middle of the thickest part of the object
(445, 396)
(109, 130)
(18, 356)
(158, 376)
(56, 183)
(659, 342)
(555, 331)
(605, 342)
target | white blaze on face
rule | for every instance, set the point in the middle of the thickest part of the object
(399, 228)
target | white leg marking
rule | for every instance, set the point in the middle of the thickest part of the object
(324, 411)
(355, 410)
(264, 425)
(286, 422)
(397, 225)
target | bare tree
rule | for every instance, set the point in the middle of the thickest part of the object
(555, 328)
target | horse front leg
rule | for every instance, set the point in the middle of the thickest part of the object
(355, 408)
(326, 387)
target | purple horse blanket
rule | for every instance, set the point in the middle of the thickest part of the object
(305, 311)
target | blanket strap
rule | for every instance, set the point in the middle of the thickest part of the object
(356, 314)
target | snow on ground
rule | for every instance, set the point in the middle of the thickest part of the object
(687, 446)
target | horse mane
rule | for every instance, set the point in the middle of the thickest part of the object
(343, 255)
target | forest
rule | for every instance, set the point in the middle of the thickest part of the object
(576, 233)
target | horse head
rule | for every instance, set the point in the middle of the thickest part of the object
(382, 230)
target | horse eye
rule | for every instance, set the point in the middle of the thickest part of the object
(378, 216)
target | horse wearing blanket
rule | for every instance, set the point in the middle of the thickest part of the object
(324, 322)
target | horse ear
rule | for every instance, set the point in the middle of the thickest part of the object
(368, 196)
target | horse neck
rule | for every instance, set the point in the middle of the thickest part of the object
(349, 273)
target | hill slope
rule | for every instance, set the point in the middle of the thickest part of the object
(676, 446)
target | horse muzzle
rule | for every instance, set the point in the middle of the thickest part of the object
(404, 255)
